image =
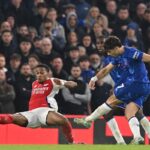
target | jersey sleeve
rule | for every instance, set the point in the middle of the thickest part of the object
(134, 54)
(110, 60)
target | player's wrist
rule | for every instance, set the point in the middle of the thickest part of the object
(94, 79)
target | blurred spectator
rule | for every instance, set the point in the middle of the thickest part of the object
(25, 49)
(98, 31)
(57, 67)
(5, 25)
(72, 58)
(7, 45)
(47, 53)
(87, 43)
(13, 69)
(57, 29)
(87, 73)
(140, 10)
(37, 43)
(57, 40)
(82, 51)
(82, 8)
(146, 29)
(33, 61)
(72, 25)
(111, 12)
(32, 33)
(7, 95)
(40, 15)
(123, 19)
(3, 63)
(11, 20)
(134, 36)
(22, 15)
(23, 88)
(100, 94)
(77, 99)
(72, 40)
(93, 16)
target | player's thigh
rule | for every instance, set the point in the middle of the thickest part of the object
(131, 109)
(54, 118)
(20, 120)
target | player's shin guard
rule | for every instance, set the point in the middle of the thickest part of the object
(67, 131)
(100, 111)
(6, 119)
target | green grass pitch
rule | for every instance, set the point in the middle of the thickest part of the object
(74, 147)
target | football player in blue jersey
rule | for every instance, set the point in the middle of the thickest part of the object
(132, 86)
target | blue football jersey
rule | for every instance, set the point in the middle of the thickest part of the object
(129, 67)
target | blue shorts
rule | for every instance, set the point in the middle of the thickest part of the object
(132, 92)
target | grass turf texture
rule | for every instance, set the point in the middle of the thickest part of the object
(75, 147)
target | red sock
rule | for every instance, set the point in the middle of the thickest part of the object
(67, 131)
(6, 119)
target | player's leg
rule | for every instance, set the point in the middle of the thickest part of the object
(112, 123)
(103, 109)
(130, 111)
(54, 118)
(144, 122)
(17, 119)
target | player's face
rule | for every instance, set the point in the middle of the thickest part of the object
(41, 74)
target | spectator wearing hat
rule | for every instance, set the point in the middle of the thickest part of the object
(25, 49)
(77, 99)
(87, 72)
(7, 44)
(13, 69)
(134, 36)
(23, 86)
(57, 68)
(72, 58)
(72, 25)
(7, 95)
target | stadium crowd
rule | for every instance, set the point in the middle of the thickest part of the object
(68, 36)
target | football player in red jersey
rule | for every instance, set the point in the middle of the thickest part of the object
(42, 106)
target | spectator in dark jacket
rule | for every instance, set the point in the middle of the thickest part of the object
(57, 67)
(77, 99)
(7, 45)
(23, 88)
(121, 22)
(7, 95)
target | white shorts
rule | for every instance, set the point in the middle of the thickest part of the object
(36, 117)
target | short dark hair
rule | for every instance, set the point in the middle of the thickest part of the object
(83, 58)
(43, 66)
(112, 42)
(6, 31)
(15, 56)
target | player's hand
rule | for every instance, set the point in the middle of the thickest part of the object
(57, 81)
(70, 84)
(92, 85)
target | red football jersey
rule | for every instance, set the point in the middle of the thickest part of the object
(41, 94)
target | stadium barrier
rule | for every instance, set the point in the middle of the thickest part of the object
(99, 133)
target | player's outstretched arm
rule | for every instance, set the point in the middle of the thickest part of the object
(63, 83)
(102, 73)
(146, 57)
